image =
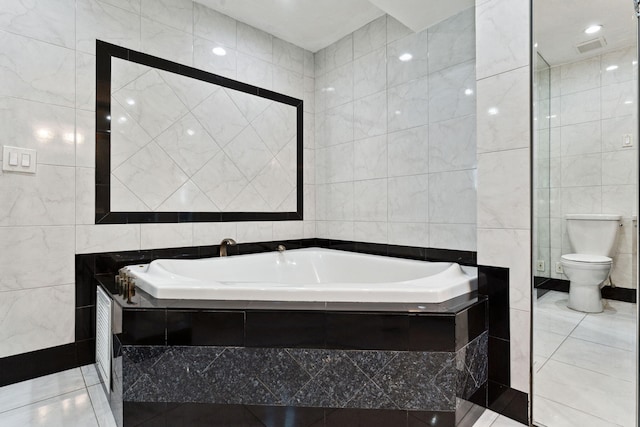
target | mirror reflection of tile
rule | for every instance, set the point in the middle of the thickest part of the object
(179, 144)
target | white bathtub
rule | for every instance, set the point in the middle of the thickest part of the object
(311, 274)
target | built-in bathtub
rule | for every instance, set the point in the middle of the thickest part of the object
(419, 359)
(310, 274)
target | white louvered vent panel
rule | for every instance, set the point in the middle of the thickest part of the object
(103, 336)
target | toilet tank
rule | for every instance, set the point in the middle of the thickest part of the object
(595, 234)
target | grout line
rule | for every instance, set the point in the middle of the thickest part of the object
(42, 400)
(578, 410)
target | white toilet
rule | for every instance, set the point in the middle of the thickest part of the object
(594, 239)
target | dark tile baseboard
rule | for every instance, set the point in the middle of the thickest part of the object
(608, 292)
(26, 366)
(213, 415)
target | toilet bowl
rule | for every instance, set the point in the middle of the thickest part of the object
(587, 274)
(593, 238)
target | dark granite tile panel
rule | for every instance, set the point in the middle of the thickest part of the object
(494, 283)
(285, 329)
(420, 380)
(281, 374)
(470, 323)
(499, 361)
(144, 389)
(371, 397)
(229, 373)
(218, 328)
(371, 362)
(341, 378)
(138, 361)
(256, 393)
(367, 331)
(143, 327)
(365, 418)
(286, 416)
(313, 394)
(179, 372)
(472, 367)
(432, 333)
(431, 419)
(311, 360)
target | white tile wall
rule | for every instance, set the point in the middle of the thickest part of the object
(47, 102)
(398, 136)
(590, 170)
(502, 55)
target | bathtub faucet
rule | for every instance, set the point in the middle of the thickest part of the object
(223, 245)
(281, 248)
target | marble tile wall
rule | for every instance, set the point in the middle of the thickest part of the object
(592, 106)
(47, 102)
(503, 111)
(396, 135)
(182, 145)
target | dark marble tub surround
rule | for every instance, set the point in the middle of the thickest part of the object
(447, 327)
(367, 379)
(326, 356)
(409, 383)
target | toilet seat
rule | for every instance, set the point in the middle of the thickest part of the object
(586, 259)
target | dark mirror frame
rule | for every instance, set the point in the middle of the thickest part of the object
(104, 215)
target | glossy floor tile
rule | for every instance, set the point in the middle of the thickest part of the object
(81, 402)
(584, 364)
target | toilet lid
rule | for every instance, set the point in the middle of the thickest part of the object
(592, 259)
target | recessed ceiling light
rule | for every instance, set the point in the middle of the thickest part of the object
(593, 29)
(611, 67)
(219, 51)
(405, 57)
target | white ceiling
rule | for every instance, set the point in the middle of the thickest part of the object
(315, 24)
(559, 26)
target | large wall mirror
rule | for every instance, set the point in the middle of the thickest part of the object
(585, 206)
(177, 144)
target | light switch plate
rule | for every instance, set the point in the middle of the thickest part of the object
(20, 154)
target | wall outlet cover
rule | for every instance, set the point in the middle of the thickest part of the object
(540, 265)
(559, 268)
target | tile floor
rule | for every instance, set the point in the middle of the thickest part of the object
(75, 398)
(585, 364)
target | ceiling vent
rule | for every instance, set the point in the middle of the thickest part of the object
(591, 45)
